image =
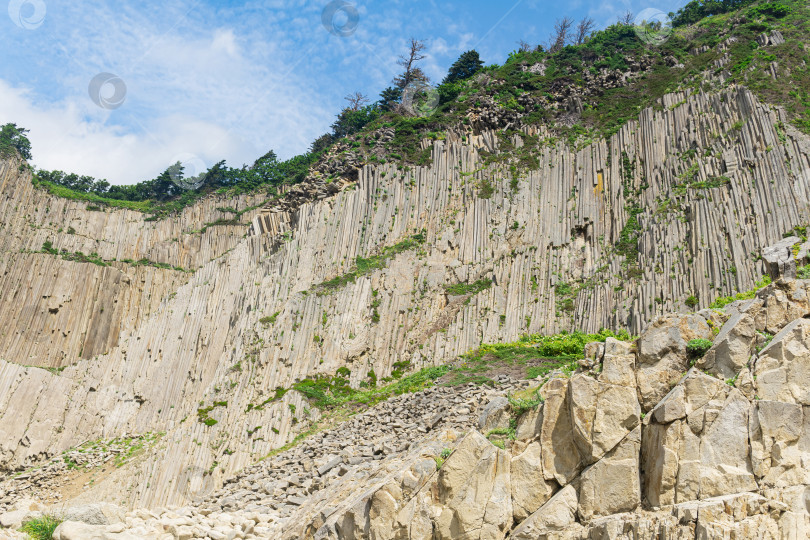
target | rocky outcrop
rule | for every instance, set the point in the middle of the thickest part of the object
(711, 458)
(705, 462)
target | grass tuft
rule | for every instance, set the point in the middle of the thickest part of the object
(41, 528)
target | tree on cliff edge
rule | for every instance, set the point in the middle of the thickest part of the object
(12, 136)
(465, 67)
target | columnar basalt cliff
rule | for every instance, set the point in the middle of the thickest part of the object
(57, 312)
(610, 235)
(645, 440)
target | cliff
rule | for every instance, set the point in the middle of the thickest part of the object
(702, 182)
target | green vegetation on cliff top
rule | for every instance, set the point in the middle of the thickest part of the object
(533, 85)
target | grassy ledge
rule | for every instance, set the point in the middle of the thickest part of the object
(365, 266)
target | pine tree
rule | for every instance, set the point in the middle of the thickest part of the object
(465, 67)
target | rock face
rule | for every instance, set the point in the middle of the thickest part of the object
(145, 348)
(705, 462)
(711, 458)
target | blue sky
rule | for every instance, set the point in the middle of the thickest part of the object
(206, 80)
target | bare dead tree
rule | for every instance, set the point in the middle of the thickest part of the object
(584, 29)
(356, 101)
(408, 61)
(524, 46)
(627, 19)
(561, 35)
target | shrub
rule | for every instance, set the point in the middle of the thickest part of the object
(520, 405)
(47, 247)
(441, 458)
(468, 288)
(771, 9)
(486, 189)
(41, 528)
(696, 348)
(723, 301)
(692, 301)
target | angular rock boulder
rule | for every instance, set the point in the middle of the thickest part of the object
(529, 489)
(696, 443)
(732, 348)
(480, 504)
(560, 456)
(782, 370)
(662, 355)
(613, 484)
(779, 260)
(495, 415)
(554, 516)
(780, 443)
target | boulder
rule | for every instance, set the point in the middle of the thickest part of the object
(732, 347)
(529, 490)
(725, 464)
(696, 443)
(76, 530)
(778, 257)
(602, 415)
(560, 456)
(777, 305)
(94, 514)
(530, 424)
(495, 415)
(662, 355)
(777, 456)
(15, 518)
(782, 370)
(554, 516)
(457, 468)
(480, 503)
(613, 484)
(23, 510)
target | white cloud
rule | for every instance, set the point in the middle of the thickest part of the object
(63, 139)
(193, 87)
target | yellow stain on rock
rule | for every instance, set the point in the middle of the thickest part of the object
(600, 186)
